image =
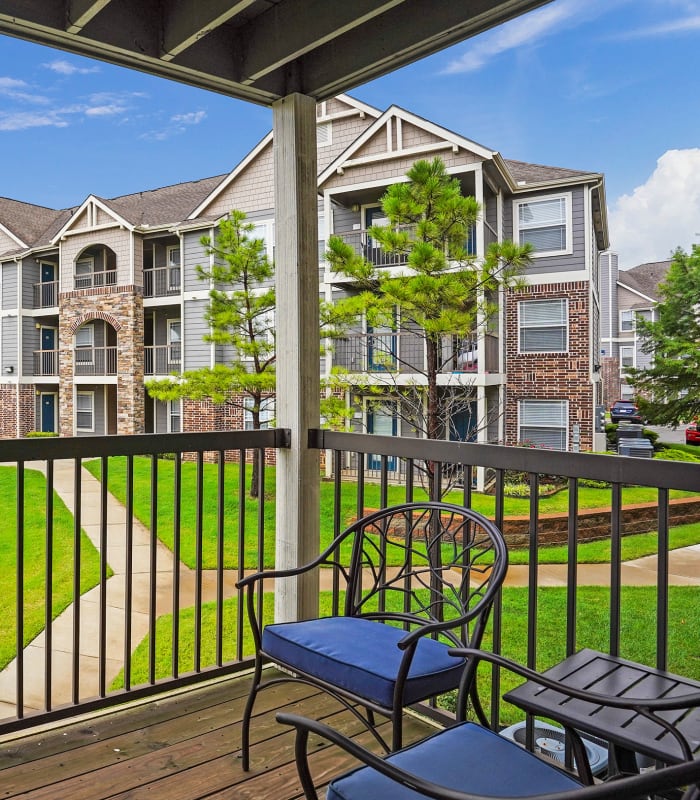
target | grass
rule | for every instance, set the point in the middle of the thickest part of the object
(638, 618)
(588, 498)
(34, 555)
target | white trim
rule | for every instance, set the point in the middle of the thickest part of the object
(545, 400)
(568, 222)
(87, 392)
(168, 415)
(55, 410)
(625, 286)
(89, 205)
(12, 236)
(228, 180)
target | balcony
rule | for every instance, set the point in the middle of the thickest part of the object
(95, 280)
(161, 281)
(175, 531)
(45, 362)
(95, 361)
(403, 352)
(162, 359)
(46, 294)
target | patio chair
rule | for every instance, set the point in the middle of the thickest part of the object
(417, 578)
(471, 762)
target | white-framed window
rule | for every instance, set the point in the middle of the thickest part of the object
(265, 231)
(324, 133)
(626, 392)
(173, 259)
(544, 222)
(627, 356)
(267, 413)
(84, 269)
(543, 423)
(627, 320)
(174, 416)
(174, 341)
(543, 325)
(85, 411)
(84, 344)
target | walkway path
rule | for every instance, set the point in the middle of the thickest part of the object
(684, 570)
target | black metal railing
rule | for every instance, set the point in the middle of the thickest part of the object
(189, 490)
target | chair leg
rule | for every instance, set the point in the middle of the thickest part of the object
(397, 734)
(247, 714)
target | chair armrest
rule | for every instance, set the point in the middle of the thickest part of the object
(630, 787)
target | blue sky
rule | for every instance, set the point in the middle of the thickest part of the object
(603, 85)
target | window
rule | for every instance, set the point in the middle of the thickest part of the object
(543, 326)
(84, 269)
(627, 356)
(84, 344)
(626, 320)
(174, 416)
(266, 232)
(174, 341)
(85, 411)
(267, 413)
(543, 423)
(173, 256)
(545, 223)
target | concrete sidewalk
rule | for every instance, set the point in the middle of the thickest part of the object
(684, 571)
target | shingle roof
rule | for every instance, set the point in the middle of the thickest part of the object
(169, 204)
(25, 220)
(539, 173)
(645, 278)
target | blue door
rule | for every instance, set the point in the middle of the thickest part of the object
(464, 424)
(48, 272)
(48, 413)
(48, 338)
(381, 423)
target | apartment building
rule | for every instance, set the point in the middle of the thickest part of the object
(626, 295)
(97, 299)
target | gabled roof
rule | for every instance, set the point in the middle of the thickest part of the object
(645, 278)
(25, 222)
(525, 174)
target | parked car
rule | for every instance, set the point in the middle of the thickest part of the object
(625, 411)
(692, 433)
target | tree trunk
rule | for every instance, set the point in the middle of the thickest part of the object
(433, 415)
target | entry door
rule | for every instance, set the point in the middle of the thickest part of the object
(48, 413)
(381, 423)
(463, 426)
(375, 216)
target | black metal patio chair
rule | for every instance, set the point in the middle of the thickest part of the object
(471, 762)
(418, 579)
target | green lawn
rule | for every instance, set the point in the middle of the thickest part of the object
(637, 620)
(35, 559)
(588, 498)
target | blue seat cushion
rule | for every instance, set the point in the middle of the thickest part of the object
(362, 657)
(468, 758)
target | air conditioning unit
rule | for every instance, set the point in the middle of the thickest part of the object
(549, 741)
(638, 448)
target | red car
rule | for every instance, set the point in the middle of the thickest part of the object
(692, 433)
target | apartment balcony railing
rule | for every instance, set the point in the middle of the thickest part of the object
(45, 362)
(184, 500)
(161, 281)
(95, 361)
(162, 359)
(46, 294)
(96, 279)
(403, 352)
(362, 243)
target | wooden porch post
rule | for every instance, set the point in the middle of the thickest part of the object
(298, 349)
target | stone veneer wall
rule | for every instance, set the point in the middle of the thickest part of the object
(122, 308)
(8, 410)
(552, 376)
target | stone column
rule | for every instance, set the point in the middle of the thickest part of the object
(298, 358)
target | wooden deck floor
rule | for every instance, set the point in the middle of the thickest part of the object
(178, 747)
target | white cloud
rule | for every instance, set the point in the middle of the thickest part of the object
(22, 120)
(10, 84)
(525, 31)
(104, 111)
(191, 118)
(661, 214)
(63, 67)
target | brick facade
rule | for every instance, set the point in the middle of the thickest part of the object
(552, 376)
(9, 396)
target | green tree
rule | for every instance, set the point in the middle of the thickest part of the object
(668, 391)
(441, 297)
(240, 313)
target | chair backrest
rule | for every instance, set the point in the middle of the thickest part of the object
(425, 563)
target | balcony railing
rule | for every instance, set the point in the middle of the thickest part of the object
(162, 359)
(46, 362)
(95, 361)
(161, 281)
(404, 352)
(46, 294)
(96, 279)
(182, 510)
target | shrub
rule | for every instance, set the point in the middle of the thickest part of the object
(670, 454)
(41, 434)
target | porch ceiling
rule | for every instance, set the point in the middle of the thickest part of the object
(257, 50)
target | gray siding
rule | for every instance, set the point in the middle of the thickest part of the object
(9, 286)
(193, 254)
(344, 219)
(9, 343)
(31, 341)
(30, 275)
(197, 351)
